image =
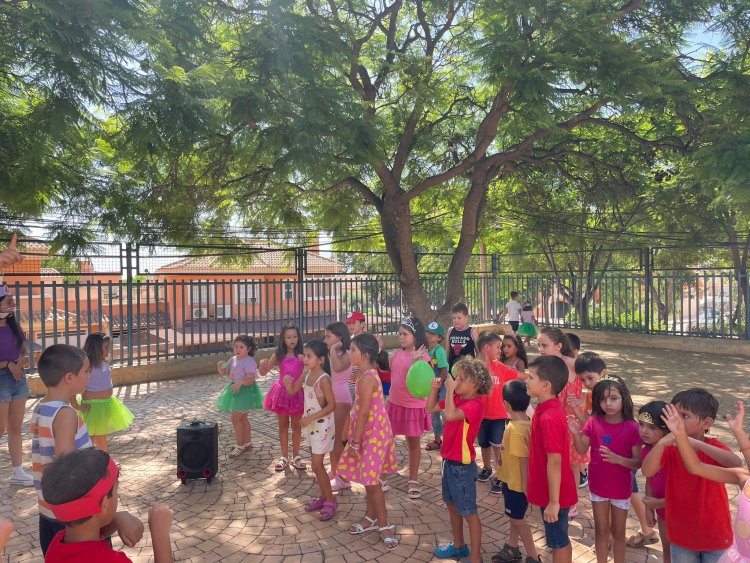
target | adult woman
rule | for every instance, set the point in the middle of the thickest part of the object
(13, 387)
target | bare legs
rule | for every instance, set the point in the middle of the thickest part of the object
(11, 417)
(475, 532)
(284, 435)
(415, 456)
(609, 520)
(100, 442)
(318, 467)
(241, 425)
(340, 418)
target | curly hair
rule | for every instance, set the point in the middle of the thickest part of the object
(475, 371)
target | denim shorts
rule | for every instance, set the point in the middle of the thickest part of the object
(635, 481)
(491, 433)
(10, 389)
(515, 503)
(460, 486)
(557, 533)
(682, 555)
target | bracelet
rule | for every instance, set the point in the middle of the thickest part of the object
(355, 446)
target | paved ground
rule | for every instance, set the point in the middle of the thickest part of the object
(252, 513)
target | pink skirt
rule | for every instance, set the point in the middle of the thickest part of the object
(408, 421)
(280, 402)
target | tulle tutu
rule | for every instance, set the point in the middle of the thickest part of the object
(247, 398)
(106, 416)
(526, 329)
(280, 402)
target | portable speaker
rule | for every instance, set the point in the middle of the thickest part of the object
(197, 450)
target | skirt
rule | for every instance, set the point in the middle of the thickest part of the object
(280, 402)
(526, 329)
(408, 421)
(106, 416)
(247, 398)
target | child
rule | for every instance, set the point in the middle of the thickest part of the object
(463, 413)
(407, 413)
(337, 339)
(513, 310)
(615, 441)
(550, 485)
(318, 422)
(102, 413)
(514, 474)
(513, 353)
(384, 372)
(589, 367)
(81, 488)
(740, 476)
(699, 524)
(575, 343)
(439, 361)
(528, 323)
(371, 451)
(356, 322)
(242, 393)
(56, 427)
(288, 356)
(552, 341)
(462, 338)
(491, 431)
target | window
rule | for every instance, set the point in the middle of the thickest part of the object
(248, 293)
(200, 293)
(288, 290)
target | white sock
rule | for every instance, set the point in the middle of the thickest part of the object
(16, 469)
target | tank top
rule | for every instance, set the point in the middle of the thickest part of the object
(341, 377)
(43, 445)
(101, 378)
(460, 343)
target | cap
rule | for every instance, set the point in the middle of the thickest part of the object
(435, 328)
(355, 316)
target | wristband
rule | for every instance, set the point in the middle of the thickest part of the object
(355, 446)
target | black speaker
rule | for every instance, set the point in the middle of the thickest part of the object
(197, 450)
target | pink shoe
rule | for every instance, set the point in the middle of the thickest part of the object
(315, 504)
(573, 512)
(339, 484)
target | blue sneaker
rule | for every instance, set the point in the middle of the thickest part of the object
(447, 551)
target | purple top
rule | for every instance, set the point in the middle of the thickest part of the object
(239, 369)
(9, 349)
(606, 479)
(101, 378)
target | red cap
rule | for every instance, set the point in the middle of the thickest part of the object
(355, 316)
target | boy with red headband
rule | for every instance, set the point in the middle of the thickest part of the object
(81, 489)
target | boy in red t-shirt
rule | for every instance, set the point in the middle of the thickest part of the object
(699, 524)
(491, 431)
(463, 414)
(551, 484)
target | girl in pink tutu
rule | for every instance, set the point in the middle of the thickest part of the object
(370, 451)
(288, 356)
(408, 414)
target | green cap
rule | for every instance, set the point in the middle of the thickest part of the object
(435, 328)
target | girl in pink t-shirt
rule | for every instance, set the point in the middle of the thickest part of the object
(615, 442)
(408, 414)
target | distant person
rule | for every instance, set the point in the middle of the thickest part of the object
(527, 330)
(462, 338)
(575, 343)
(439, 361)
(513, 311)
(337, 338)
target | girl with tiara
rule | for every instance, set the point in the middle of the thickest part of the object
(287, 407)
(102, 413)
(242, 393)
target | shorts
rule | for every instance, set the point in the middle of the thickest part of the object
(460, 486)
(516, 503)
(491, 433)
(623, 504)
(514, 325)
(557, 532)
(10, 389)
(682, 555)
(635, 481)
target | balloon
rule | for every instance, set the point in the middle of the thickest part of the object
(419, 379)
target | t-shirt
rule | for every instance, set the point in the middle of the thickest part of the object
(9, 348)
(239, 369)
(401, 361)
(657, 483)
(549, 434)
(99, 551)
(611, 480)
(438, 359)
(515, 446)
(460, 343)
(494, 409)
(697, 509)
(514, 310)
(459, 435)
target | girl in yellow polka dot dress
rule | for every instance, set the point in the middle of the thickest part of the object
(371, 451)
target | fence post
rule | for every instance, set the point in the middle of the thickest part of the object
(129, 293)
(746, 299)
(649, 275)
(300, 255)
(494, 313)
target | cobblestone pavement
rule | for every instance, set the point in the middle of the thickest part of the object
(252, 513)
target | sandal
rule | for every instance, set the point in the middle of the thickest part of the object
(282, 464)
(384, 486)
(315, 504)
(297, 463)
(356, 529)
(640, 539)
(415, 491)
(391, 542)
(433, 445)
(237, 451)
(328, 511)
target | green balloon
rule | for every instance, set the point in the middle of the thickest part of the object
(419, 379)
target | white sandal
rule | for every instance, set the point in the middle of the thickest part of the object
(391, 542)
(357, 528)
(237, 451)
(282, 464)
(415, 491)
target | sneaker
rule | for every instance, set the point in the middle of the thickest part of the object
(584, 480)
(507, 554)
(484, 474)
(339, 484)
(497, 487)
(20, 478)
(530, 559)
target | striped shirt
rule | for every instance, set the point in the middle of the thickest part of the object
(43, 444)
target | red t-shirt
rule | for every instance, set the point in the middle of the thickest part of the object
(549, 435)
(494, 409)
(459, 435)
(697, 509)
(99, 551)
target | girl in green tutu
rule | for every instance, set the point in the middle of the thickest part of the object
(102, 413)
(242, 393)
